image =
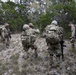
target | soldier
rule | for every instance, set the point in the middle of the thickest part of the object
(24, 36)
(29, 36)
(72, 34)
(5, 34)
(54, 35)
(0, 34)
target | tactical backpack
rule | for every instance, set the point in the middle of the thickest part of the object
(28, 37)
(53, 34)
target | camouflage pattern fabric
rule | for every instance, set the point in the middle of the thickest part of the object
(28, 38)
(53, 35)
(5, 36)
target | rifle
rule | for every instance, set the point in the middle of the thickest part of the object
(62, 47)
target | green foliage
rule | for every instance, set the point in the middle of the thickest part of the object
(14, 14)
(71, 9)
(44, 20)
(62, 12)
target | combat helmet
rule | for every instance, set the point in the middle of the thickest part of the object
(25, 26)
(6, 24)
(31, 25)
(54, 22)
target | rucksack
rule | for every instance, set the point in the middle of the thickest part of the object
(29, 37)
(53, 34)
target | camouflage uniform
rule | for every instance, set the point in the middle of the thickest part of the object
(53, 34)
(24, 35)
(72, 35)
(5, 35)
(28, 38)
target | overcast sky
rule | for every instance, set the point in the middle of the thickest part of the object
(3, 0)
(12, 0)
(6, 0)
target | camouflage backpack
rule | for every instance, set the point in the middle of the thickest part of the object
(53, 34)
(29, 36)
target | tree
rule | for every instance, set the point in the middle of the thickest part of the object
(63, 12)
(44, 20)
(14, 14)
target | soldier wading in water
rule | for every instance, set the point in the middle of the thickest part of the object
(54, 35)
(28, 37)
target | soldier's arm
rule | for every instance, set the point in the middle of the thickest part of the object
(37, 31)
